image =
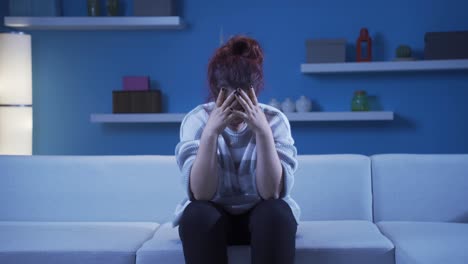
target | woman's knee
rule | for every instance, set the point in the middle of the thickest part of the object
(200, 216)
(271, 214)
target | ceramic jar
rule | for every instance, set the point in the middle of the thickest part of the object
(288, 105)
(303, 104)
(273, 102)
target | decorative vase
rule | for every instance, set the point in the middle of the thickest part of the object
(303, 104)
(403, 53)
(288, 105)
(273, 102)
(112, 7)
(359, 101)
(364, 46)
(93, 7)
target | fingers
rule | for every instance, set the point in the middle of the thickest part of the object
(243, 102)
(221, 97)
(228, 110)
(238, 113)
(243, 95)
(228, 102)
(233, 115)
(252, 96)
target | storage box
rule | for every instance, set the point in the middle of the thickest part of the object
(153, 7)
(35, 7)
(325, 50)
(136, 83)
(136, 101)
(446, 45)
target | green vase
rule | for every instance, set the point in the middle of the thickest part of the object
(112, 7)
(403, 51)
(359, 101)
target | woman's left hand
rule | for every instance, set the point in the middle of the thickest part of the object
(253, 115)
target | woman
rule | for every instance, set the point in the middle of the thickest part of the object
(238, 159)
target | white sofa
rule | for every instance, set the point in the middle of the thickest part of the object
(117, 209)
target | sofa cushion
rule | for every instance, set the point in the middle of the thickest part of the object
(166, 247)
(428, 242)
(317, 242)
(72, 242)
(349, 242)
(420, 187)
(333, 187)
(89, 188)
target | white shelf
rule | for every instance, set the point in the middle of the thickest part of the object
(340, 116)
(293, 117)
(94, 23)
(391, 66)
(137, 118)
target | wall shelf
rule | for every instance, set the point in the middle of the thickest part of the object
(340, 116)
(137, 118)
(94, 23)
(293, 117)
(390, 66)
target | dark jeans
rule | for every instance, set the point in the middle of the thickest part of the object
(270, 228)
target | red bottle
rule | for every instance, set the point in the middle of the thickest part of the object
(364, 37)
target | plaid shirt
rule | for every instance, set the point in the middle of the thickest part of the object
(237, 190)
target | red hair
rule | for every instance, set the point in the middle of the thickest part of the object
(236, 64)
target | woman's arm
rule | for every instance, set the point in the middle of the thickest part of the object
(204, 174)
(269, 170)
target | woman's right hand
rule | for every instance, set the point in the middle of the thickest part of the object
(221, 114)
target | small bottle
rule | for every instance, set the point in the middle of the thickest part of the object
(359, 101)
(93, 7)
(364, 46)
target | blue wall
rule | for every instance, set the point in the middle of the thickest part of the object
(3, 12)
(75, 72)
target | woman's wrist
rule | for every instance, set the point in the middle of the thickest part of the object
(210, 133)
(263, 132)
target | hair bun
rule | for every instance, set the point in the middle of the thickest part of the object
(245, 47)
(238, 63)
(240, 47)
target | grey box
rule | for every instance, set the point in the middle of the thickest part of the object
(446, 45)
(35, 7)
(153, 7)
(20, 8)
(325, 50)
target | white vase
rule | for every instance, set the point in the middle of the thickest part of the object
(303, 104)
(273, 102)
(288, 106)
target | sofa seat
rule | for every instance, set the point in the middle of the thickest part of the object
(72, 242)
(428, 242)
(317, 242)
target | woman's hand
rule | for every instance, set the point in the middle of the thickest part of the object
(221, 114)
(253, 115)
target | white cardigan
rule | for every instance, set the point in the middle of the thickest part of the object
(237, 191)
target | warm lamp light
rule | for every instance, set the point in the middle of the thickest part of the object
(16, 120)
